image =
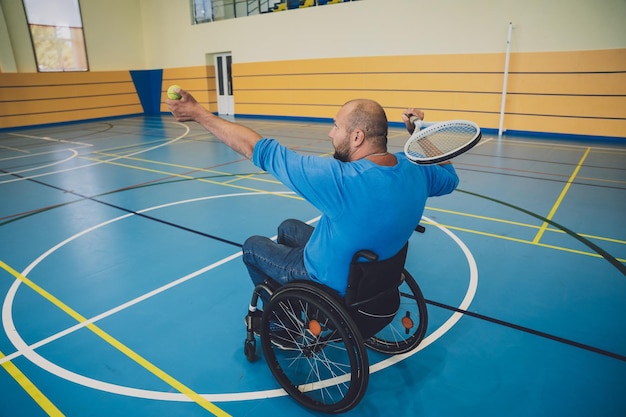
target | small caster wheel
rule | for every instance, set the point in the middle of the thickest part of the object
(249, 349)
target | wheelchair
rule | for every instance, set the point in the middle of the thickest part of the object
(315, 342)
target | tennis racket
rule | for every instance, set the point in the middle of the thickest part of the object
(435, 142)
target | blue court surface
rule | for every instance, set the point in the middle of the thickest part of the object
(123, 291)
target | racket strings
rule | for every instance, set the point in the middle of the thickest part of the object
(441, 142)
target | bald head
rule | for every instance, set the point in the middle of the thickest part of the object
(370, 117)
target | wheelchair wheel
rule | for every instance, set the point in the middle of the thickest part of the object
(407, 329)
(314, 349)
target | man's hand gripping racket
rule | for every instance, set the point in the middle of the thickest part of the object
(435, 142)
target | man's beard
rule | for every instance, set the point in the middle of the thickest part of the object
(340, 156)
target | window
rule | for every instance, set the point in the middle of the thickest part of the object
(214, 10)
(56, 29)
(202, 11)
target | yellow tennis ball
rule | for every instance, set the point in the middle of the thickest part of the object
(171, 92)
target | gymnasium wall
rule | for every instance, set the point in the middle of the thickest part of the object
(568, 58)
(198, 80)
(45, 98)
(565, 92)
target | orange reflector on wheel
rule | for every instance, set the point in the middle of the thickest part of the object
(315, 327)
(407, 322)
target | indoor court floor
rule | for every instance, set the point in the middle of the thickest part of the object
(123, 291)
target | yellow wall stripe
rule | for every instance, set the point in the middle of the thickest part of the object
(174, 383)
(562, 92)
(31, 389)
(43, 98)
(199, 81)
(578, 93)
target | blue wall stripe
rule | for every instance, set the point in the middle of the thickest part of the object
(148, 85)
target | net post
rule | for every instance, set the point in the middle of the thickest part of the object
(506, 78)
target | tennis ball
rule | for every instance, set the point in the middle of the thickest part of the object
(171, 92)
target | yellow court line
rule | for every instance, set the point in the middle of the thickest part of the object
(602, 180)
(240, 177)
(278, 194)
(248, 176)
(151, 161)
(31, 389)
(526, 225)
(478, 216)
(168, 379)
(544, 226)
(528, 242)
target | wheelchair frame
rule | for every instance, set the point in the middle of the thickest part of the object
(313, 345)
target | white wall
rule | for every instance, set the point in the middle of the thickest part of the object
(20, 57)
(386, 27)
(7, 61)
(136, 34)
(114, 34)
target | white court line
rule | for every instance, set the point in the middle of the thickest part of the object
(121, 307)
(30, 154)
(46, 138)
(105, 161)
(13, 149)
(29, 353)
(131, 302)
(74, 154)
(483, 141)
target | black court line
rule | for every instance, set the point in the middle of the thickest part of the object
(529, 331)
(84, 197)
(549, 162)
(434, 303)
(464, 167)
(607, 256)
(160, 181)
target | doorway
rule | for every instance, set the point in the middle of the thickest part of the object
(224, 80)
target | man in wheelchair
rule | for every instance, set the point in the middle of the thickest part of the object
(369, 198)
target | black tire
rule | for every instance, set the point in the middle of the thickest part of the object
(249, 349)
(322, 362)
(397, 338)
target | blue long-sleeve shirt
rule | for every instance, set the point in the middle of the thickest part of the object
(364, 205)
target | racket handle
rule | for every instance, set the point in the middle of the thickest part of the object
(417, 122)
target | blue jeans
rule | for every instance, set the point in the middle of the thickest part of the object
(283, 260)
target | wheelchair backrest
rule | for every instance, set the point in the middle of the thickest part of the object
(372, 296)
